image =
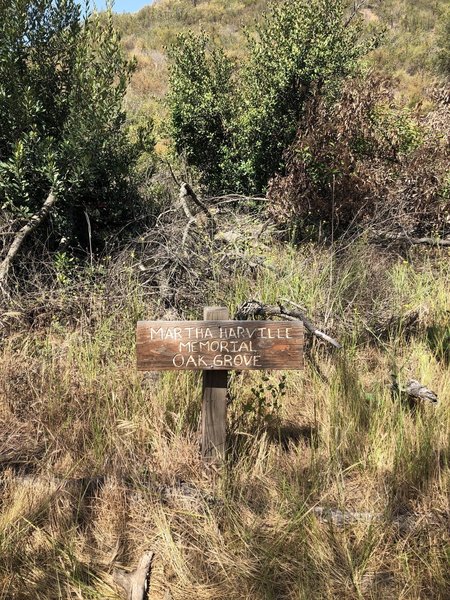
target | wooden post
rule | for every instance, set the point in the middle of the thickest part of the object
(215, 346)
(214, 407)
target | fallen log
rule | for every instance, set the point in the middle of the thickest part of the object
(341, 518)
(413, 241)
(428, 241)
(404, 523)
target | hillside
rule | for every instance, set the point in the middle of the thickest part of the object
(147, 34)
(413, 34)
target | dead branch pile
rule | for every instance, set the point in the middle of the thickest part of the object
(177, 264)
(194, 246)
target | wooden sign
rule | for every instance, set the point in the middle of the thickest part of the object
(219, 345)
(215, 346)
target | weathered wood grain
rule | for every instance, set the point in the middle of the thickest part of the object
(214, 405)
(136, 583)
(219, 345)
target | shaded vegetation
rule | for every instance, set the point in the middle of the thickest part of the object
(62, 81)
(368, 162)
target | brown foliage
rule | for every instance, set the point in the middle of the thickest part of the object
(366, 161)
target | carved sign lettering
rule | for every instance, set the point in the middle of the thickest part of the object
(219, 345)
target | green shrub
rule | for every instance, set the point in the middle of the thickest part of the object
(299, 47)
(62, 81)
(200, 103)
(235, 129)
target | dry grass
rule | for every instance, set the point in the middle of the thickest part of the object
(99, 462)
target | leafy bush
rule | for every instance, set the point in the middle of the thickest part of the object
(298, 47)
(62, 82)
(235, 129)
(200, 103)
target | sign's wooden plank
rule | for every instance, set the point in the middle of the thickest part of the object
(219, 345)
(214, 406)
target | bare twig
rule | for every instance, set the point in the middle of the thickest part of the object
(184, 194)
(173, 174)
(230, 198)
(88, 221)
(356, 8)
(255, 308)
(187, 192)
(299, 314)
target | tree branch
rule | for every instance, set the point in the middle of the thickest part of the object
(21, 236)
(255, 308)
(187, 192)
(356, 8)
